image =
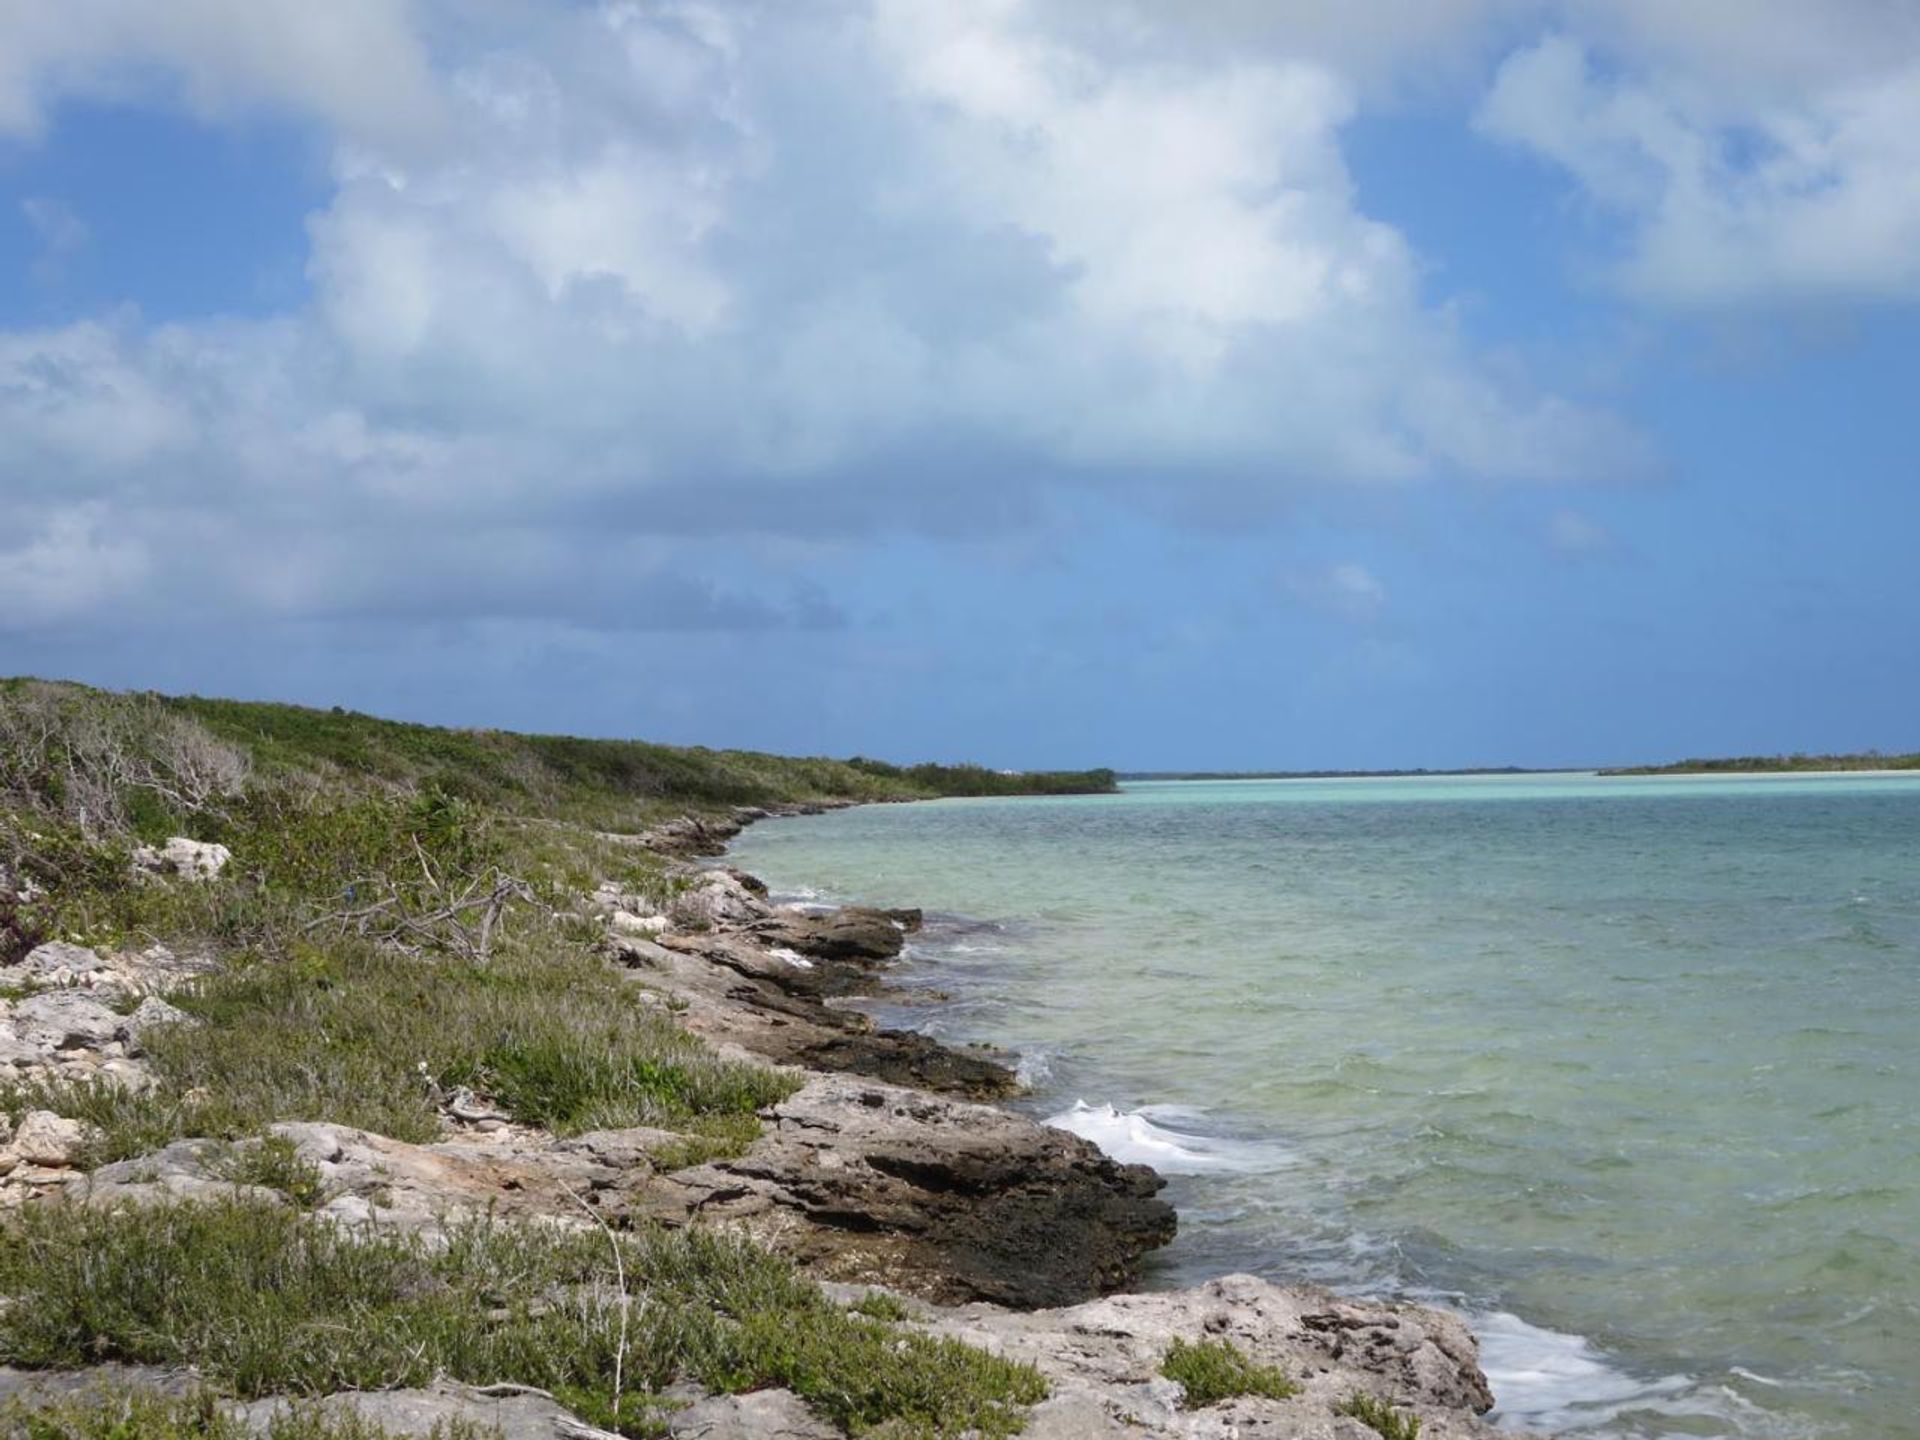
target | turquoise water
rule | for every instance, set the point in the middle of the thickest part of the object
(1626, 1069)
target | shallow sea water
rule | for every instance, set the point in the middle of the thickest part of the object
(1626, 1069)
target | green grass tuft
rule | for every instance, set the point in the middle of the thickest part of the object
(1378, 1415)
(262, 1300)
(1214, 1370)
(134, 1415)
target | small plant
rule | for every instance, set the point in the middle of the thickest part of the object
(1381, 1417)
(274, 1162)
(879, 1305)
(1214, 1370)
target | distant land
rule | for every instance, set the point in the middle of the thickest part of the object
(1771, 764)
(1725, 765)
(1340, 774)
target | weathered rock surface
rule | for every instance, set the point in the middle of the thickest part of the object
(510, 1412)
(772, 1003)
(949, 1200)
(367, 1177)
(853, 933)
(763, 1415)
(1102, 1361)
(182, 859)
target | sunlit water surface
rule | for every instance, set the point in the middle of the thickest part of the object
(1625, 1069)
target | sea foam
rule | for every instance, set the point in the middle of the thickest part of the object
(1133, 1138)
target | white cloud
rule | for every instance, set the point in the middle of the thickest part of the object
(71, 566)
(1761, 155)
(359, 66)
(675, 270)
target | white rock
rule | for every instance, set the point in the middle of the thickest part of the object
(184, 858)
(625, 922)
(64, 1020)
(48, 1139)
(151, 1012)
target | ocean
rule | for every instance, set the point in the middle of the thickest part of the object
(1625, 1069)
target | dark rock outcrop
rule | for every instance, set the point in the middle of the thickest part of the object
(943, 1199)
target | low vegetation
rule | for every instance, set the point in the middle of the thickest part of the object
(1768, 764)
(261, 1300)
(1214, 1370)
(135, 1415)
(1380, 1417)
(402, 922)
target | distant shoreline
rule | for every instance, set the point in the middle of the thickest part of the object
(1885, 765)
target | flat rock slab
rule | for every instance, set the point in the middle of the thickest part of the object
(524, 1415)
(940, 1198)
(1103, 1359)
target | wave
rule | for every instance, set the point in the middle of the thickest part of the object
(1545, 1380)
(1133, 1138)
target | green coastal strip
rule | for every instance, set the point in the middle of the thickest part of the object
(401, 919)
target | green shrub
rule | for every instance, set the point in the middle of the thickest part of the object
(274, 1162)
(1214, 1370)
(262, 1300)
(135, 1415)
(1378, 1415)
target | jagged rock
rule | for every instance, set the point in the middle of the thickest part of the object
(64, 1020)
(718, 899)
(853, 933)
(50, 1141)
(905, 1057)
(151, 1012)
(762, 1415)
(938, 1197)
(1102, 1362)
(183, 859)
(742, 994)
(55, 963)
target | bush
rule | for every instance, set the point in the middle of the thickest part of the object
(137, 1415)
(1214, 1370)
(1378, 1415)
(263, 1301)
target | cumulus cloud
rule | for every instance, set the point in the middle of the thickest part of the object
(618, 280)
(358, 66)
(1759, 154)
(69, 566)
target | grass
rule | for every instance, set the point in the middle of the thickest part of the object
(1378, 1415)
(134, 1415)
(359, 1035)
(1214, 1370)
(261, 1300)
(274, 1162)
(879, 1305)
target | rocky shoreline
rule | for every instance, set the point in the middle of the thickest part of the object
(1023, 1239)
(887, 1169)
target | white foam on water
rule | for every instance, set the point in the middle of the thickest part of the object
(1545, 1380)
(791, 957)
(1034, 1067)
(1133, 1139)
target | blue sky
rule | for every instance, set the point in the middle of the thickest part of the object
(1032, 381)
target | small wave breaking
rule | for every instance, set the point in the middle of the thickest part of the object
(1133, 1138)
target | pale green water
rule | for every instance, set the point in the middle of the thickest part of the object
(1625, 1068)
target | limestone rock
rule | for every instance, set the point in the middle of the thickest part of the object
(150, 1013)
(55, 963)
(505, 1411)
(853, 933)
(719, 898)
(762, 1415)
(1102, 1362)
(48, 1140)
(183, 859)
(64, 1020)
(944, 1199)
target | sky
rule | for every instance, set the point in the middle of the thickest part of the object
(1254, 384)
